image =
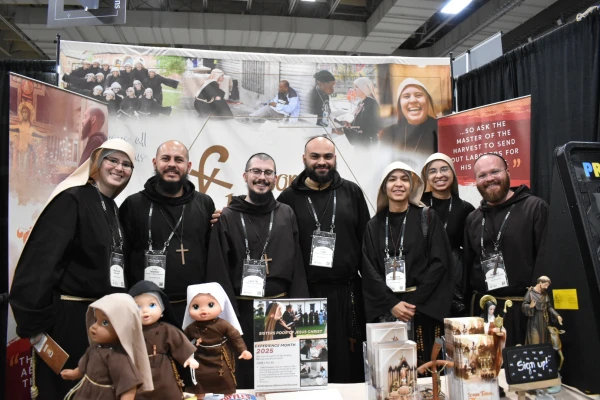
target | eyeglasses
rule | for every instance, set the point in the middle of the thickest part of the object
(443, 170)
(495, 173)
(258, 172)
(127, 166)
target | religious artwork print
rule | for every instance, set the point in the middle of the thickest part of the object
(290, 344)
(226, 106)
(51, 132)
(502, 128)
(395, 370)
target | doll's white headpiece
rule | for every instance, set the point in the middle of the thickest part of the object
(216, 291)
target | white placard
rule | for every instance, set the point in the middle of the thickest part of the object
(276, 366)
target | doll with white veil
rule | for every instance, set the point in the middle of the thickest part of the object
(211, 324)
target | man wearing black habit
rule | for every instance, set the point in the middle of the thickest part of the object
(167, 228)
(332, 214)
(254, 252)
(503, 241)
(289, 318)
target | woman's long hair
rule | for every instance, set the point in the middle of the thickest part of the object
(271, 319)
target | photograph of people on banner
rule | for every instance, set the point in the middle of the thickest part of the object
(382, 109)
(289, 318)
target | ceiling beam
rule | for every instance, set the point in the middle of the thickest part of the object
(248, 5)
(205, 5)
(22, 36)
(437, 28)
(293, 5)
(334, 5)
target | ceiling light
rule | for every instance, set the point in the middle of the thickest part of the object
(312, 1)
(455, 6)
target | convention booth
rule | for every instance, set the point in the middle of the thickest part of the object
(537, 106)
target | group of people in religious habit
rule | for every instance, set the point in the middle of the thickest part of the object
(132, 92)
(418, 259)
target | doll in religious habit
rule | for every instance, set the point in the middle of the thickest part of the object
(165, 343)
(212, 326)
(115, 366)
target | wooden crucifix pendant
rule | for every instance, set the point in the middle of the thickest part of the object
(182, 251)
(266, 260)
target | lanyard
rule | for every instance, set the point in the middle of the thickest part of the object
(312, 207)
(449, 210)
(387, 229)
(170, 236)
(246, 236)
(499, 237)
(112, 233)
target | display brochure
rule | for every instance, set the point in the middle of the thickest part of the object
(290, 345)
(474, 356)
(384, 332)
(395, 369)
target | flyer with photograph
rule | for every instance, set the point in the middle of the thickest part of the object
(290, 344)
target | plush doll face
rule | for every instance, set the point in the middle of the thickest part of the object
(204, 307)
(150, 310)
(102, 331)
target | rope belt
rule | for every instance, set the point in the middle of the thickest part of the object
(277, 296)
(411, 289)
(75, 298)
(81, 382)
(214, 345)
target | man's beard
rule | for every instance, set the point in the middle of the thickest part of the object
(170, 187)
(498, 195)
(257, 198)
(320, 179)
(86, 129)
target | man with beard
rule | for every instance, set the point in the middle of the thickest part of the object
(167, 228)
(511, 224)
(93, 121)
(254, 252)
(326, 205)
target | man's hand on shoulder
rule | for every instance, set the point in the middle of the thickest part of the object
(215, 217)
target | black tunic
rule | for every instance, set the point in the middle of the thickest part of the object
(368, 122)
(227, 251)
(156, 85)
(126, 78)
(139, 75)
(521, 245)
(455, 229)
(430, 275)
(129, 105)
(148, 107)
(206, 102)
(341, 284)
(112, 79)
(196, 232)
(67, 253)
(421, 139)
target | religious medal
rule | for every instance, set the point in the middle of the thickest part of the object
(254, 272)
(155, 267)
(395, 276)
(117, 268)
(323, 243)
(254, 278)
(494, 271)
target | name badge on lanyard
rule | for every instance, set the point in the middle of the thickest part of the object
(323, 243)
(116, 262)
(254, 272)
(117, 269)
(155, 261)
(395, 266)
(492, 264)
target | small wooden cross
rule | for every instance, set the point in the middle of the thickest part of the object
(267, 259)
(221, 372)
(182, 251)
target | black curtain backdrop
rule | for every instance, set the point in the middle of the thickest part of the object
(561, 72)
(44, 71)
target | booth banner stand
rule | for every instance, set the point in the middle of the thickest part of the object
(217, 104)
(48, 133)
(502, 128)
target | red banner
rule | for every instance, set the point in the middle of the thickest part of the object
(501, 128)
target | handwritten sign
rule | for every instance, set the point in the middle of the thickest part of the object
(565, 299)
(530, 363)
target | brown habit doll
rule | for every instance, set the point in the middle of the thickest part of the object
(116, 365)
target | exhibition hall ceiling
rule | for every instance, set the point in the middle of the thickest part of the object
(366, 27)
